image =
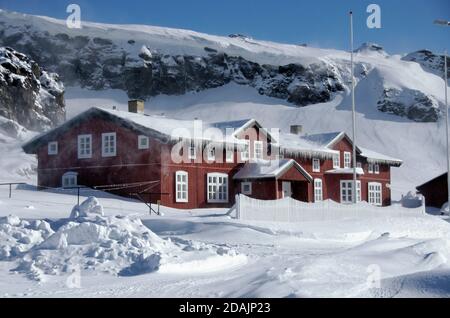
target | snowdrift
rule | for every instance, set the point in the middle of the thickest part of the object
(90, 241)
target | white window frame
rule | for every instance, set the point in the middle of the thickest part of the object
(146, 145)
(51, 151)
(107, 149)
(81, 141)
(245, 153)
(217, 187)
(377, 168)
(347, 159)
(246, 192)
(345, 198)
(375, 193)
(258, 149)
(336, 161)
(192, 151)
(181, 186)
(370, 169)
(229, 154)
(318, 190)
(69, 176)
(316, 165)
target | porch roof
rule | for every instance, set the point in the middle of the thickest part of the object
(263, 169)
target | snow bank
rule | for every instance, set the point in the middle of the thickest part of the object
(88, 240)
(445, 209)
(17, 236)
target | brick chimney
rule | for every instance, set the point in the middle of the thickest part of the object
(296, 129)
(136, 106)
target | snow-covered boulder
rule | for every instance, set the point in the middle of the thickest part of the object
(89, 207)
(412, 200)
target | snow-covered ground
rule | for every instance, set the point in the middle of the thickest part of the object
(208, 253)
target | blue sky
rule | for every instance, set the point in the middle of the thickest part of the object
(406, 25)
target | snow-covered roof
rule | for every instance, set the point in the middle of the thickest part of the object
(160, 127)
(293, 144)
(375, 157)
(262, 169)
(240, 126)
(325, 139)
(359, 171)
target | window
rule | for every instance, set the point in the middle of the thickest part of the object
(375, 193)
(359, 165)
(347, 159)
(318, 193)
(53, 148)
(370, 167)
(192, 151)
(69, 179)
(258, 149)
(181, 186)
(316, 165)
(377, 168)
(229, 154)
(245, 153)
(211, 154)
(84, 146)
(143, 142)
(217, 187)
(246, 188)
(336, 161)
(109, 145)
(347, 191)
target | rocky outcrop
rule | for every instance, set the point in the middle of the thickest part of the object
(430, 62)
(99, 63)
(412, 104)
(29, 95)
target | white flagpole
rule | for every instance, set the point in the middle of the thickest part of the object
(446, 127)
(355, 191)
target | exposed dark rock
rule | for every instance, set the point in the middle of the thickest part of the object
(409, 103)
(29, 95)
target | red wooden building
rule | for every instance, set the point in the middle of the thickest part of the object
(188, 164)
(435, 191)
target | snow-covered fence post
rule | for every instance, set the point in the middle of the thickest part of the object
(424, 209)
(238, 207)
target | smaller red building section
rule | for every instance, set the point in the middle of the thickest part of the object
(435, 191)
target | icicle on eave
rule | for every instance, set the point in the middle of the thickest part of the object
(307, 154)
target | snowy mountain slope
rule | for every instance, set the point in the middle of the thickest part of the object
(146, 61)
(430, 62)
(15, 165)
